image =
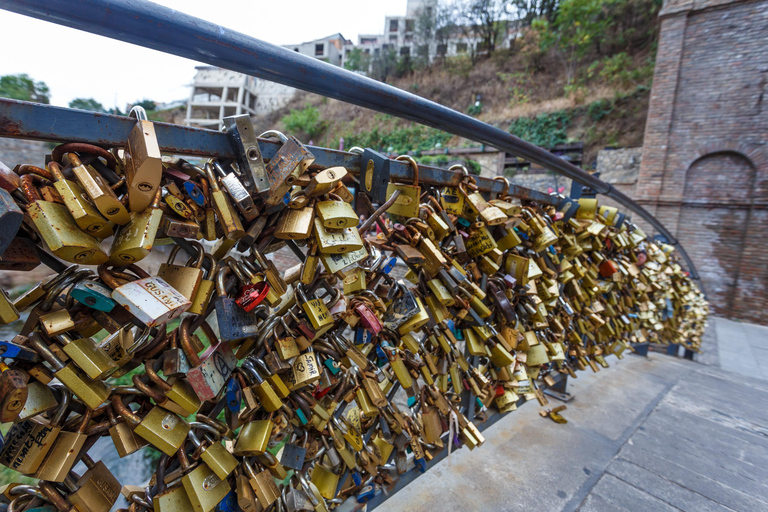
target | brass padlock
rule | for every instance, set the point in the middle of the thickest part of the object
(407, 203)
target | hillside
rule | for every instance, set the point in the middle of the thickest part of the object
(600, 98)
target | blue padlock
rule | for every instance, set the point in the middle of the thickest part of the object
(233, 396)
(366, 493)
(389, 266)
(94, 295)
(194, 192)
(14, 351)
(229, 503)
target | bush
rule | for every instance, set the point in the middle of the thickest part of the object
(401, 140)
(546, 130)
(305, 122)
(460, 65)
(599, 109)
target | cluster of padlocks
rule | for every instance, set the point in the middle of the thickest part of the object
(315, 383)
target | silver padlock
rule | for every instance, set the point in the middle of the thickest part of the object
(150, 299)
(237, 191)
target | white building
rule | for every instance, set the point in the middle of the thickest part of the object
(329, 49)
(218, 93)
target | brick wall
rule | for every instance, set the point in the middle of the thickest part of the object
(704, 168)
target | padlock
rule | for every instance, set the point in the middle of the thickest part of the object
(336, 241)
(290, 161)
(296, 224)
(90, 358)
(10, 220)
(96, 490)
(336, 213)
(64, 453)
(135, 239)
(210, 370)
(237, 191)
(204, 488)
(91, 392)
(253, 438)
(206, 288)
(28, 442)
(234, 322)
(213, 452)
(150, 299)
(58, 229)
(243, 140)
(164, 429)
(407, 203)
(225, 213)
(143, 162)
(101, 194)
(185, 279)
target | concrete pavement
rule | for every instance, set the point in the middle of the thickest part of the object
(656, 433)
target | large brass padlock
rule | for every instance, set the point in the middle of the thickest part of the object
(407, 203)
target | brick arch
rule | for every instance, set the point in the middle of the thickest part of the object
(756, 158)
(723, 172)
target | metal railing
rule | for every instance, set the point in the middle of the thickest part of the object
(170, 31)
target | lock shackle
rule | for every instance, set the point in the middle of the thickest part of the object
(249, 368)
(219, 168)
(153, 376)
(210, 174)
(274, 134)
(221, 279)
(146, 389)
(62, 287)
(108, 277)
(210, 273)
(505, 181)
(414, 166)
(65, 399)
(186, 339)
(237, 270)
(139, 113)
(218, 425)
(36, 343)
(28, 186)
(54, 497)
(208, 429)
(121, 409)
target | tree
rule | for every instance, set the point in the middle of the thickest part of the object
(579, 25)
(357, 60)
(87, 104)
(22, 87)
(528, 10)
(487, 20)
(146, 104)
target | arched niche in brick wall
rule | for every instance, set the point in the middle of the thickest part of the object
(725, 175)
(713, 231)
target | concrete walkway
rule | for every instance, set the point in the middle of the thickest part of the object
(656, 433)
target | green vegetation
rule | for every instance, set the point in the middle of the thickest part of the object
(546, 130)
(22, 87)
(87, 104)
(401, 140)
(305, 123)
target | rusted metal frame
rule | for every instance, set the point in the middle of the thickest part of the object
(35, 121)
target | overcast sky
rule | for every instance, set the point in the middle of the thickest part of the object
(49, 52)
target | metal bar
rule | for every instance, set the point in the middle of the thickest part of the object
(25, 120)
(167, 30)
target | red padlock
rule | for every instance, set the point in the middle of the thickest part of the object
(252, 295)
(368, 319)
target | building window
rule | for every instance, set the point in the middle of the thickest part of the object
(393, 38)
(367, 51)
(461, 47)
(393, 25)
(319, 50)
(442, 49)
(405, 50)
(410, 25)
(295, 49)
